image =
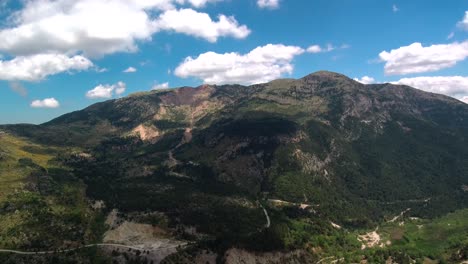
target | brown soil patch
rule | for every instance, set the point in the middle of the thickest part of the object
(397, 234)
(147, 133)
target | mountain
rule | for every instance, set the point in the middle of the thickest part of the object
(216, 158)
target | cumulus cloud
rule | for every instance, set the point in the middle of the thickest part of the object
(455, 86)
(106, 91)
(160, 86)
(191, 22)
(260, 65)
(93, 29)
(46, 103)
(418, 59)
(18, 88)
(130, 70)
(271, 4)
(96, 28)
(464, 23)
(38, 67)
(365, 80)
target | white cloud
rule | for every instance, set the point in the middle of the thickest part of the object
(327, 48)
(46, 103)
(365, 80)
(96, 28)
(455, 86)
(160, 86)
(464, 23)
(262, 64)
(191, 22)
(100, 91)
(314, 49)
(92, 29)
(464, 99)
(130, 70)
(271, 4)
(38, 67)
(417, 59)
(120, 88)
(395, 8)
(106, 91)
(200, 3)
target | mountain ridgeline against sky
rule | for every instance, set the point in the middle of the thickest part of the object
(357, 154)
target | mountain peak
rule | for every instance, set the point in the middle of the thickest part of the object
(327, 75)
(326, 79)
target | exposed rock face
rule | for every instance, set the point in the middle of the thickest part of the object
(147, 133)
(153, 241)
(130, 233)
(310, 163)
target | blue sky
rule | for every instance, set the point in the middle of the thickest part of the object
(61, 56)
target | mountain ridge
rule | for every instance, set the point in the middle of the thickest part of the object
(318, 76)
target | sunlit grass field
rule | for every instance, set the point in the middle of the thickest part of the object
(33, 218)
(13, 176)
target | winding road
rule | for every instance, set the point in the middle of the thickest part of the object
(78, 248)
(268, 223)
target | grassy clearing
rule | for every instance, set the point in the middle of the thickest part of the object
(435, 237)
(13, 175)
(42, 205)
(426, 240)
